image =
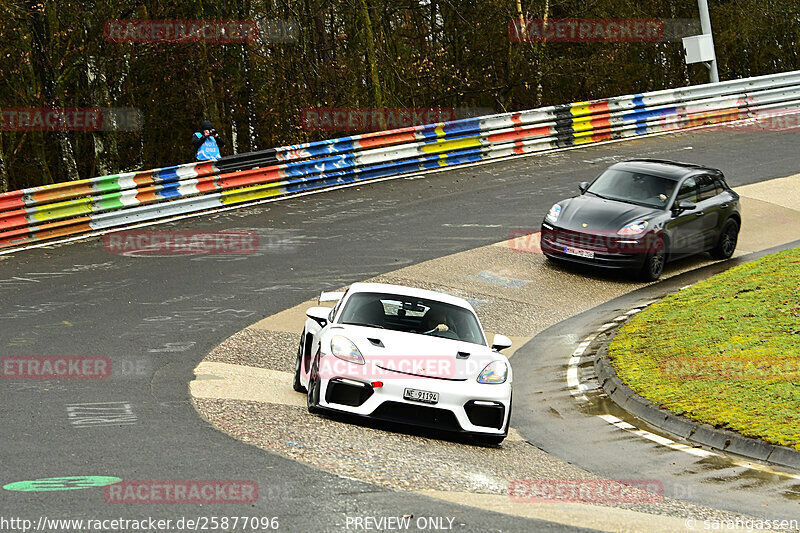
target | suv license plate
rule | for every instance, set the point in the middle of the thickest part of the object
(578, 252)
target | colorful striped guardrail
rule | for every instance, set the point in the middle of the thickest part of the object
(96, 204)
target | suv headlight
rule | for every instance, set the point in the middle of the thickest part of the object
(343, 348)
(495, 373)
(634, 228)
(554, 212)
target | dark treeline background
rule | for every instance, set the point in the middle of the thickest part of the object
(395, 53)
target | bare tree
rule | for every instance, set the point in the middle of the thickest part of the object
(43, 66)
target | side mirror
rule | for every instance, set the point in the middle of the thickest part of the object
(686, 205)
(500, 342)
(319, 315)
(582, 186)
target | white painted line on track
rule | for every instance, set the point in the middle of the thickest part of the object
(578, 390)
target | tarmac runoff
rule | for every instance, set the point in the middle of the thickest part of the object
(243, 387)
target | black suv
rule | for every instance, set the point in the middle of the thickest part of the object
(638, 214)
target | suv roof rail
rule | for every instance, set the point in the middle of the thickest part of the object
(670, 162)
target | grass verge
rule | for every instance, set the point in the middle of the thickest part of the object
(725, 351)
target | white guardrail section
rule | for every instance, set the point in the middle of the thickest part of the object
(76, 207)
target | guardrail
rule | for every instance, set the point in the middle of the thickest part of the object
(96, 204)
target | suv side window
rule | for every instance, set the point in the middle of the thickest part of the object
(688, 191)
(706, 188)
(720, 185)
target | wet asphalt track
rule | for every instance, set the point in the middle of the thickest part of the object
(166, 313)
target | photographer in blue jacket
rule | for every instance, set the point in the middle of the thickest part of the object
(207, 142)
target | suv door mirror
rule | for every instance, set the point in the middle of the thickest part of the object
(582, 186)
(686, 205)
(319, 315)
(500, 342)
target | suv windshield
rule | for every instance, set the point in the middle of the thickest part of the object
(412, 315)
(633, 187)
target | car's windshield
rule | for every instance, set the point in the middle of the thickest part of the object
(633, 187)
(412, 315)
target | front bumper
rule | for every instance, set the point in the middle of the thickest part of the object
(612, 252)
(463, 406)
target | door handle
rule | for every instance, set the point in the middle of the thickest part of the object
(724, 206)
(699, 213)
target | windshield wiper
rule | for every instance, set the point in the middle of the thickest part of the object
(599, 195)
(623, 200)
(364, 324)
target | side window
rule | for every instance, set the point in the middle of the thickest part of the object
(706, 187)
(688, 191)
(337, 306)
(719, 184)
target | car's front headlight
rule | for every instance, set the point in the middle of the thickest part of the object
(343, 348)
(554, 212)
(634, 228)
(494, 373)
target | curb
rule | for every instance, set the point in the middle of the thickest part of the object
(685, 428)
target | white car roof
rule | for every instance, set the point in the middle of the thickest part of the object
(410, 291)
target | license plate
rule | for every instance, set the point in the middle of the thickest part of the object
(421, 396)
(580, 253)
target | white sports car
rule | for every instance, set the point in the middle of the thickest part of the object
(407, 355)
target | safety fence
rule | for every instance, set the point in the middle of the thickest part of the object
(96, 204)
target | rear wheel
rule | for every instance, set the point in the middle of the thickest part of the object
(728, 238)
(296, 384)
(654, 262)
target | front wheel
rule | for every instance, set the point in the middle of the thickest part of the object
(312, 398)
(297, 384)
(728, 238)
(654, 262)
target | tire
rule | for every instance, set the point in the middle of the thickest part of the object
(728, 238)
(296, 384)
(654, 262)
(312, 398)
